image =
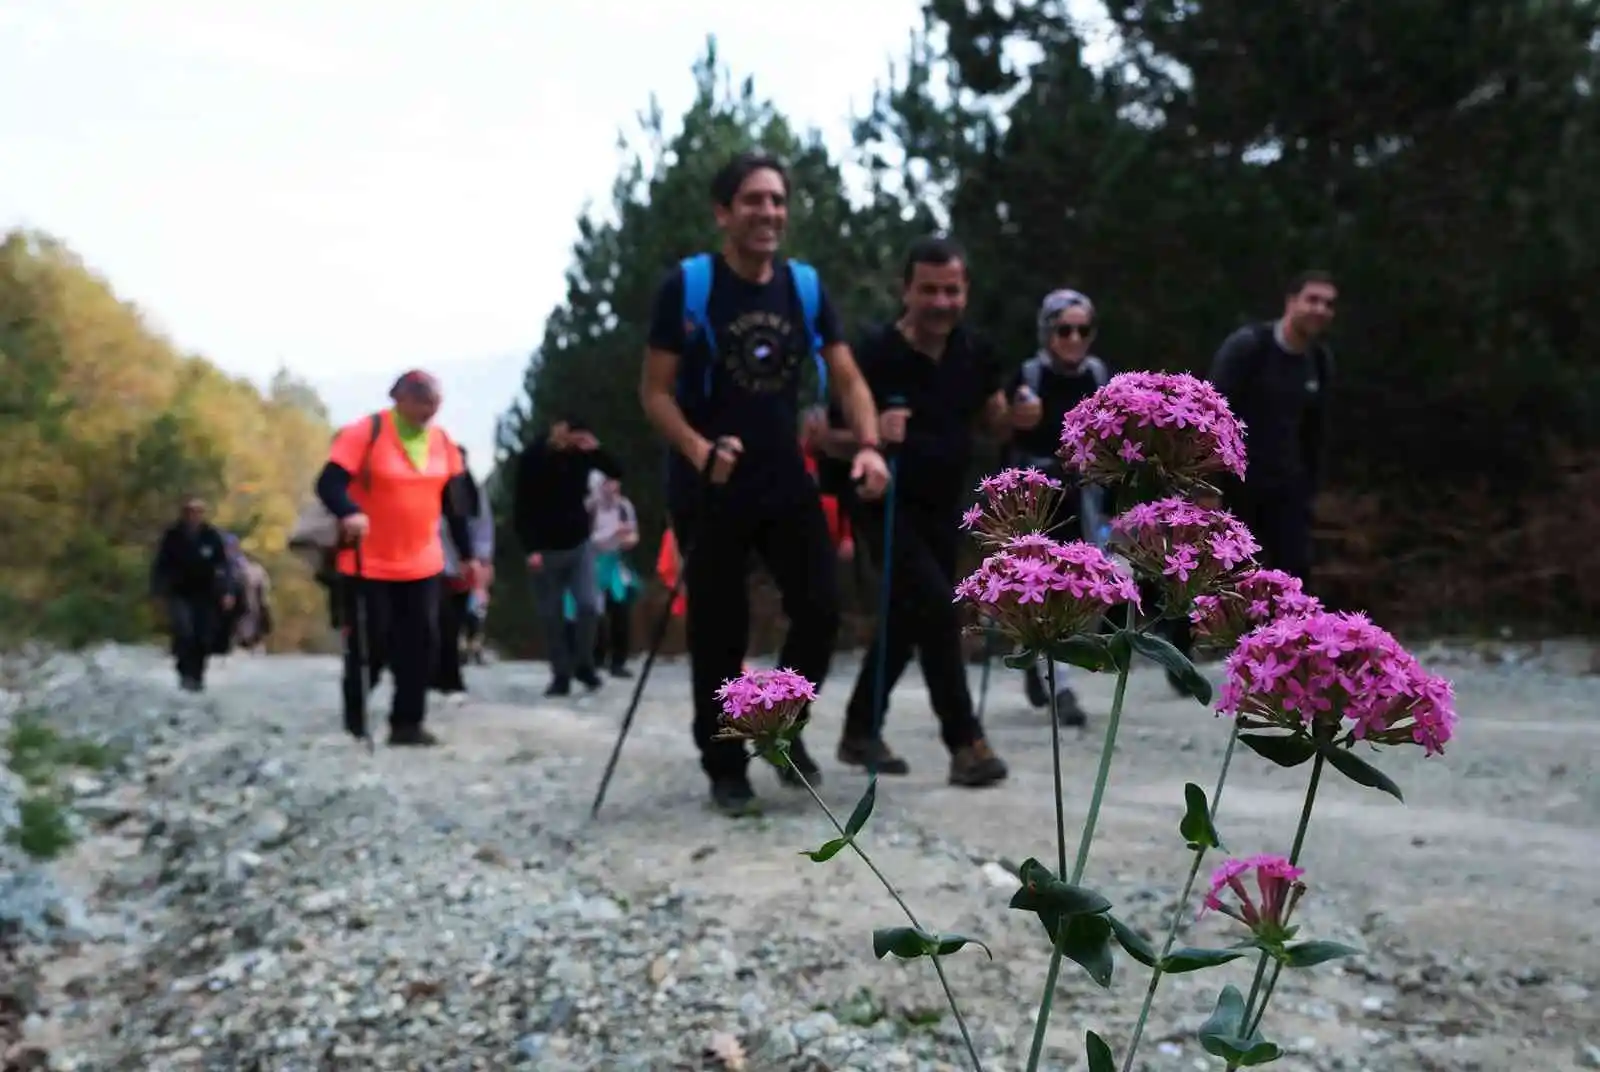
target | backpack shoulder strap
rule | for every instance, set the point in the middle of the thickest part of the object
(808, 288)
(376, 430)
(1098, 369)
(1033, 372)
(696, 297)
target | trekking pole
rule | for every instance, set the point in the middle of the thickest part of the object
(880, 697)
(660, 636)
(983, 683)
(359, 638)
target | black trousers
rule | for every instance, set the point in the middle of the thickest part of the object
(1280, 518)
(452, 619)
(922, 618)
(614, 639)
(718, 539)
(194, 621)
(401, 632)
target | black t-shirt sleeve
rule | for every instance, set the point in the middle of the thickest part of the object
(1228, 366)
(666, 315)
(828, 325)
(991, 376)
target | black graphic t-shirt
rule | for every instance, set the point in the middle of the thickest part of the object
(751, 386)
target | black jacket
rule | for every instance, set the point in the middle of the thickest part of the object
(190, 564)
(549, 511)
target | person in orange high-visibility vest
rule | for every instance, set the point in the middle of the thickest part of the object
(389, 479)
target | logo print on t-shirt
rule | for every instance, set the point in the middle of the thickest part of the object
(759, 354)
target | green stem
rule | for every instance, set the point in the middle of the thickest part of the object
(1036, 1051)
(944, 981)
(1055, 753)
(1156, 973)
(1266, 996)
(1250, 1009)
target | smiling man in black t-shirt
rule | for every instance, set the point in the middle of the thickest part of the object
(731, 337)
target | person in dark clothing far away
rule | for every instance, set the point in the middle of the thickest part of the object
(389, 495)
(731, 336)
(935, 384)
(550, 514)
(1276, 376)
(1060, 374)
(190, 575)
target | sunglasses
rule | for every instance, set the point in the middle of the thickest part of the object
(1067, 331)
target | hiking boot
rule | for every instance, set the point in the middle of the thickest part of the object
(1038, 696)
(870, 754)
(804, 763)
(1068, 710)
(733, 797)
(976, 765)
(559, 687)
(588, 678)
(414, 737)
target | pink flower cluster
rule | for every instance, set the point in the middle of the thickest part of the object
(764, 706)
(1325, 673)
(1173, 425)
(1015, 501)
(1038, 591)
(1277, 884)
(1187, 547)
(1248, 600)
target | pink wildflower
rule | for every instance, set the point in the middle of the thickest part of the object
(1015, 501)
(1332, 674)
(1278, 886)
(1186, 548)
(1248, 600)
(764, 706)
(1171, 426)
(1038, 591)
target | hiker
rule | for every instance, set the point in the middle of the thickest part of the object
(730, 337)
(935, 384)
(550, 514)
(614, 532)
(190, 576)
(456, 597)
(1060, 374)
(389, 479)
(1275, 375)
(250, 621)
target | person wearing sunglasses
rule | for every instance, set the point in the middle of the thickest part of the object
(1057, 377)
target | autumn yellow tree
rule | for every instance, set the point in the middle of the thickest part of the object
(104, 425)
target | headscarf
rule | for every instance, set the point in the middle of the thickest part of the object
(1055, 303)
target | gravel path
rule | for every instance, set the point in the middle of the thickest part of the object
(254, 892)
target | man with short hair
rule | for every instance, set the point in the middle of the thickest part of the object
(191, 575)
(731, 336)
(550, 514)
(935, 383)
(1275, 375)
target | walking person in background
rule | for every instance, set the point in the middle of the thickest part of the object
(190, 575)
(1060, 374)
(550, 514)
(615, 532)
(252, 611)
(1275, 375)
(935, 384)
(731, 335)
(410, 476)
(454, 600)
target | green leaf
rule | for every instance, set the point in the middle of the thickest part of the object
(828, 851)
(1120, 648)
(1189, 959)
(1284, 749)
(1160, 650)
(1360, 771)
(1086, 650)
(1132, 942)
(1051, 899)
(1220, 1035)
(1099, 1053)
(863, 812)
(1310, 954)
(909, 943)
(1196, 828)
(1087, 943)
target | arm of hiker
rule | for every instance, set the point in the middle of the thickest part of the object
(345, 459)
(1227, 374)
(658, 382)
(994, 420)
(867, 467)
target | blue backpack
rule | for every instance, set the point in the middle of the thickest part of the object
(697, 293)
